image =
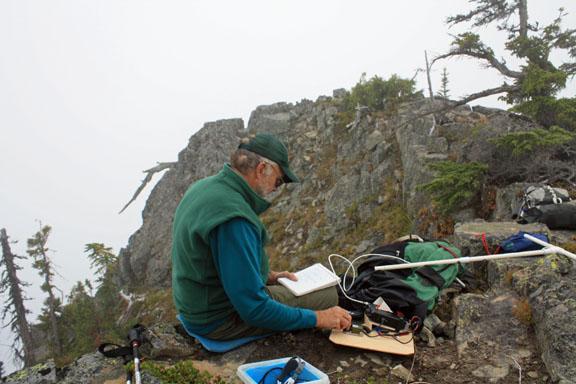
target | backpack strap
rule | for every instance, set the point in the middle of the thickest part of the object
(454, 255)
(432, 276)
(555, 198)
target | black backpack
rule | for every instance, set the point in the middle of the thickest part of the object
(555, 216)
(408, 292)
(545, 204)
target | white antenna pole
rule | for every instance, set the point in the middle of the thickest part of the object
(548, 248)
(556, 249)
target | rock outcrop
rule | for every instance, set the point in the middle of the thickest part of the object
(524, 296)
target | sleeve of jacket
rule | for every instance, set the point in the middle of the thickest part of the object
(235, 246)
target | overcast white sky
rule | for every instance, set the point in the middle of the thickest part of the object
(94, 92)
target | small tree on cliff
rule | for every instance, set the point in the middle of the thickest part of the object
(14, 308)
(531, 87)
(444, 92)
(37, 248)
(101, 259)
(105, 262)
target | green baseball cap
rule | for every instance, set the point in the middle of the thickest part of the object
(268, 146)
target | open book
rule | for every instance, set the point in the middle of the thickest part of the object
(310, 279)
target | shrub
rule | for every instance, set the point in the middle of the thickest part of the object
(521, 143)
(549, 111)
(379, 94)
(455, 183)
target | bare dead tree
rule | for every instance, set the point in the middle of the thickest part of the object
(14, 308)
(149, 174)
(428, 68)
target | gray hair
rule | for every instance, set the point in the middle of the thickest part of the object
(244, 161)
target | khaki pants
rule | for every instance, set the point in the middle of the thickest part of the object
(235, 327)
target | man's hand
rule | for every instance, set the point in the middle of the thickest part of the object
(333, 318)
(273, 276)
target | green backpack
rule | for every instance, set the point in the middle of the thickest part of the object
(430, 280)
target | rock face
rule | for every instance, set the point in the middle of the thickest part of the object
(538, 292)
(551, 291)
(90, 368)
(43, 373)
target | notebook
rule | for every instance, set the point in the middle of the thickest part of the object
(310, 279)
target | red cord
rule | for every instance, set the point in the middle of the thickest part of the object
(485, 244)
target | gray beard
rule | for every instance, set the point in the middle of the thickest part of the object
(259, 191)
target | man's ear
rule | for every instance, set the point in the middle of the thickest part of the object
(260, 169)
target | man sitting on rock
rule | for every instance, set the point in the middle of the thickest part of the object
(222, 285)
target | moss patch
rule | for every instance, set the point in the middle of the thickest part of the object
(183, 372)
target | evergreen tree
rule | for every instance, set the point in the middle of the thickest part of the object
(105, 262)
(82, 320)
(102, 259)
(89, 318)
(444, 92)
(532, 87)
(37, 248)
(455, 185)
(14, 307)
(1, 371)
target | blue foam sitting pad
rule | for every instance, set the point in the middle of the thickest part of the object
(220, 346)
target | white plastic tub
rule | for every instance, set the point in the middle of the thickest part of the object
(252, 373)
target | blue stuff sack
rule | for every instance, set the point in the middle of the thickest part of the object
(518, 243)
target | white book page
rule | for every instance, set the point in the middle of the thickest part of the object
(310, 279)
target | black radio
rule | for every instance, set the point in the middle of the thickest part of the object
(386, 319)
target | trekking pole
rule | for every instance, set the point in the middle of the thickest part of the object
(135, 337)
(128, 376)
(548, 249)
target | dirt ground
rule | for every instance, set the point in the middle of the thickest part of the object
(481, 361)
(435, 365)
(344, 365)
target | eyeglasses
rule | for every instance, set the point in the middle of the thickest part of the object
(279, 179)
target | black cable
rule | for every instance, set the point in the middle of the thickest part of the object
(263, 379)
(393, 335)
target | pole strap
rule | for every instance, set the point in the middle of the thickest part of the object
(117, 351)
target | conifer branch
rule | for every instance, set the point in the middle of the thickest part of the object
(483, 54)
(466, 100)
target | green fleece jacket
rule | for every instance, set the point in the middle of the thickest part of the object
(197, 291)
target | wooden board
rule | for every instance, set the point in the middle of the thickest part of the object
(399, 345)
